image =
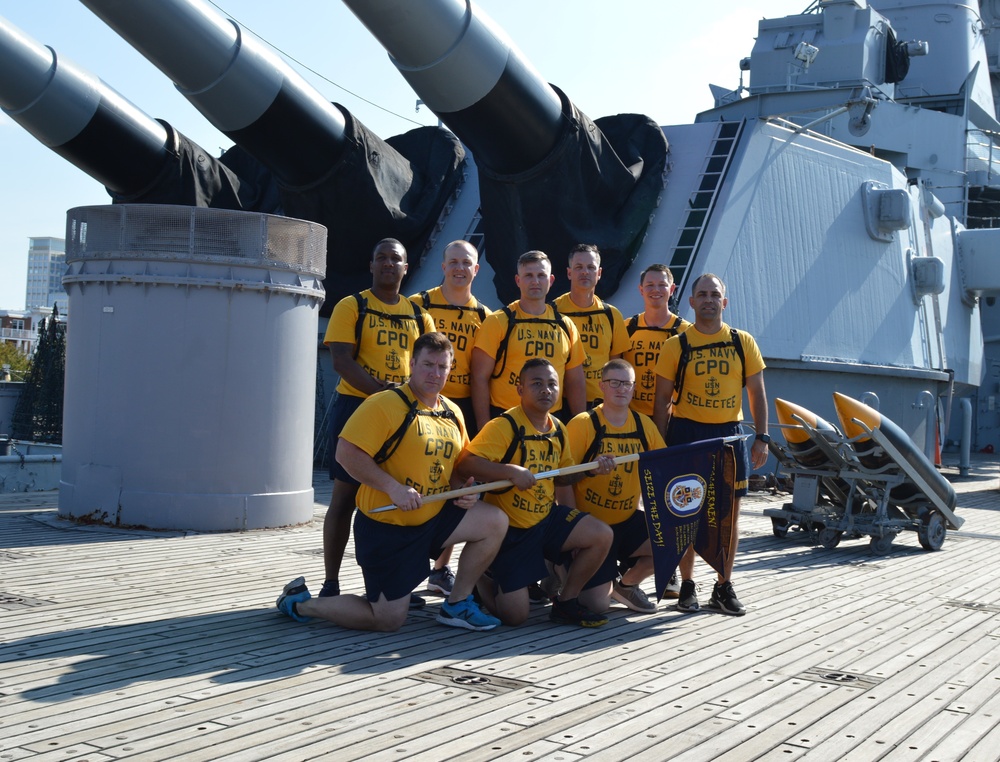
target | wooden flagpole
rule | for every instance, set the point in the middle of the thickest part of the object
(475, 488)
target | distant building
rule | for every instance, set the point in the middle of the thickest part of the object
(20, 327)
(46, 266)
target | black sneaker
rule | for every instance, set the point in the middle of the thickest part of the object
(724, 599)
(571, 612)
(331, 587)
(417, 602)
(688, 599)
(536, 594)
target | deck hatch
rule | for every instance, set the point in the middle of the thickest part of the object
(11, 601)
(473, 681)
(840, 677)
(991, 608)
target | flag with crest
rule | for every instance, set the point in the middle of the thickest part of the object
(687, 492)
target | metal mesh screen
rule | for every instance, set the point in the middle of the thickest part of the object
(185, 232)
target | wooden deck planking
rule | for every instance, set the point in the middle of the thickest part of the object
(977, 728)
(129, 657)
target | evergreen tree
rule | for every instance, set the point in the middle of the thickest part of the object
(38, 414)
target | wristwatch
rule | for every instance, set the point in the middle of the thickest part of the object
(765, 438)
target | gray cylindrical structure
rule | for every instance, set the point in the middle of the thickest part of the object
(190, 367)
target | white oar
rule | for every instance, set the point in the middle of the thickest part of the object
(506, 483)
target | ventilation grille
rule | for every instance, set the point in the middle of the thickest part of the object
(160, 231)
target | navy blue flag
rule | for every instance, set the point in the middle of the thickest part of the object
(687, 491)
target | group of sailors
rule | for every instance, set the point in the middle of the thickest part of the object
(437, 394)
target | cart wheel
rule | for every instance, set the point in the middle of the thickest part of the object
(932, 531)
(830, 538)
(779, 527)
(882, 545)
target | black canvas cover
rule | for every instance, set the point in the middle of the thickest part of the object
(598, 185)
(189, 178)
(379, 189)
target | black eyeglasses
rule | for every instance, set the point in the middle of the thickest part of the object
(616, 383)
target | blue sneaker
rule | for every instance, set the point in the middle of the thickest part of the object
(294, 592)
(466, 614)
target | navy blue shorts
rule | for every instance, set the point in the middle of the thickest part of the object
(629, 535)
(342, 409)
(522, 555)
(394, 559)
(685, 431)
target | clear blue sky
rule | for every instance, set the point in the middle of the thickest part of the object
(647, 56)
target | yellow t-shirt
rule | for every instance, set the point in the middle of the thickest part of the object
(643, 352)
(601, 334)
(712, 390)
(613, 497)
(532, 336)
(539, 452)
(424, 458)
(460, 325)
(387, 335)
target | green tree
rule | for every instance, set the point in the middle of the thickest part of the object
(18, 361)
(38, 414)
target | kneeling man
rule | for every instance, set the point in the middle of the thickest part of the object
(516, 445)
(613, 429)
(401, 444)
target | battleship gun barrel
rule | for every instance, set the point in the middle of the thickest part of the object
(320, 162)
(78, 116)
(466, 70)
(549, 176)
(244, 89)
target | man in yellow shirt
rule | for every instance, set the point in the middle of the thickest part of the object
(648, 330)
(522, 442)
(370, 336)
(699, 395)
(601, 325)
(402, 445)
(458, 315)
(526, 329)
(613, 429)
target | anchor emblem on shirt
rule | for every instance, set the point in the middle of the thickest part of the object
(615, 485)
(392, 360)
(437, 470)
(712, 386)
(648, 379)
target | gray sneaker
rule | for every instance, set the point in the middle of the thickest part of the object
(688, 600)
(673, 589)
(633, 597)
(441, 581)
